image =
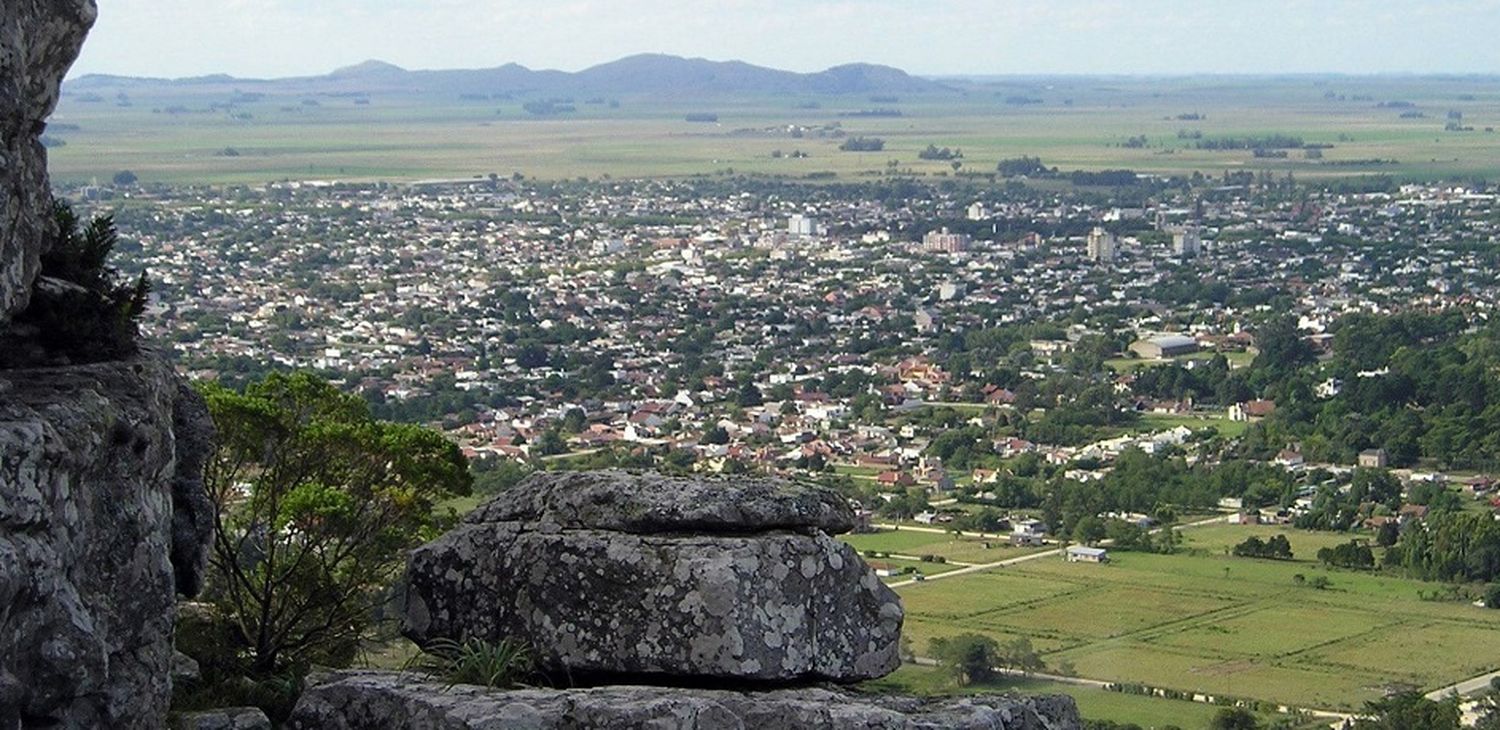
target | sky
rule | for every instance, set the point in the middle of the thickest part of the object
(271, 38)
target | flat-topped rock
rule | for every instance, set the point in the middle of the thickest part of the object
(653, 503)
(604, 576)
(387, 701)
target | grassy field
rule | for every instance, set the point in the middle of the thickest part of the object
(182, 134)
(1206, 622)
(1152, 422)
(960, 549)
(1093, 704)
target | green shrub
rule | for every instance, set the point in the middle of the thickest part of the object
(80, 311)
(474, 661)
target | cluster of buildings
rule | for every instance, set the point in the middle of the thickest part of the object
(777, 330)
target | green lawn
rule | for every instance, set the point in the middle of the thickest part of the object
(1204, 621)
(1152, 422)
(917, 542)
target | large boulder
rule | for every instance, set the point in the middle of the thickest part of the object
(386, 701)
(102, 519)
(39, 40)
(610, 575)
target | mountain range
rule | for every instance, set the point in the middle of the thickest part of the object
(648, 74)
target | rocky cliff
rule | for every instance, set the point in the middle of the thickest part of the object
(98, 493)
(103, 519)
(39, 40)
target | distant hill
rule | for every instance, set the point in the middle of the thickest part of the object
(650, 74)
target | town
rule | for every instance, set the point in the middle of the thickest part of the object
(1177, 368)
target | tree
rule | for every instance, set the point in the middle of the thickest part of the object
(1282, 349)
(1492, 596)
(315, 505)
(574, 420)
(749, 395)
(1089, 530)
(1019, 655)
(551, 443)
(1409, 711)
(1234, 718)
(125, 177)
(1353, 554)
(716, 435)
(968, 657)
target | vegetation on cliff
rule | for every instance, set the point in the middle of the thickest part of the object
(81, 310)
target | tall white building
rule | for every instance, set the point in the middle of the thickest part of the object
(1186, 242)
(1101, 245)
(977, 212)
(802, 225)
(945, 242)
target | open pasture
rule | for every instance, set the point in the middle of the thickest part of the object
(193, 133)
(961, 549)
(1206, 622)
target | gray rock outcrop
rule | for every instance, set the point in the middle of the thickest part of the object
(609, 575)
(388, 701)
(93, 463)
(102, 514)
(228, 718)
(39, 40)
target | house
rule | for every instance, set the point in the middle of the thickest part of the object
(1251, 410)
(1373, 459)
(925, 518)
(1478, 486)
(1082, 554)
(1024, 540)
(1035, 528)
(1289, 459)
(887, 570)
(895, 479)
(1245, 517)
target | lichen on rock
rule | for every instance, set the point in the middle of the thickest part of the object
(610, 574)
(97, 463)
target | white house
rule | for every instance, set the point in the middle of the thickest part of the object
(1082, 554)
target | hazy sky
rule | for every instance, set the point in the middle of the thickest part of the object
(303, 37)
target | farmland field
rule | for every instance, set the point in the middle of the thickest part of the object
(1093, 703)
(1203, 621)
(967, 550)
(194, 134)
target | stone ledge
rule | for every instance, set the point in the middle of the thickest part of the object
(388, 701)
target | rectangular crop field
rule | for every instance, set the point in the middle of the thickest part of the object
(1206, 622)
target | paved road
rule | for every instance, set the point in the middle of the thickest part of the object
(1465, 688)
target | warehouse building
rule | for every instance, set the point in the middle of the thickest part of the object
(1157, 348)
